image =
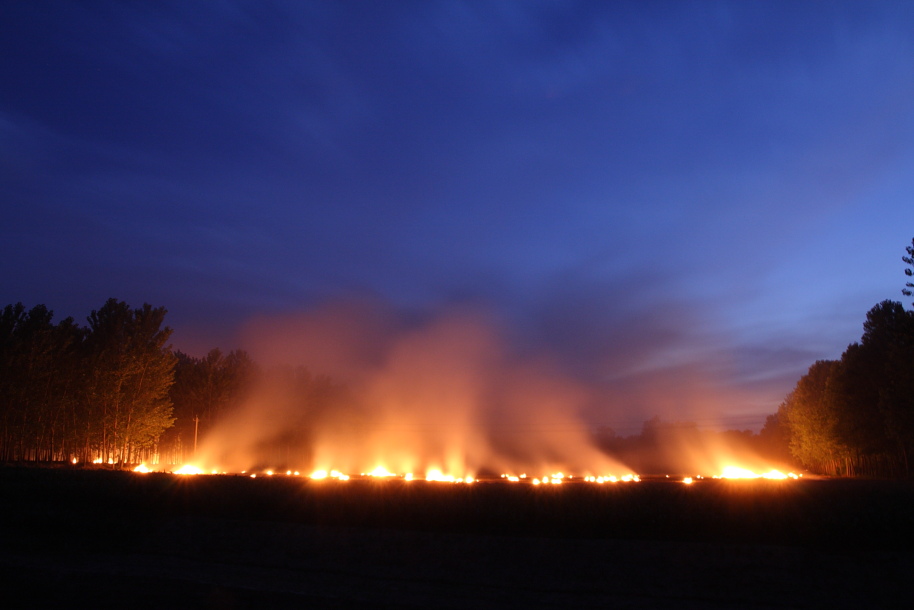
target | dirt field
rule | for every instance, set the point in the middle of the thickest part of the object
(111, 539)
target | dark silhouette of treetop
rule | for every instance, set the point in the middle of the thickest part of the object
(909, 259)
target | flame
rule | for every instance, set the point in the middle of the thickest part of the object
(141, 468)
(435, 474)
(188, 469)
(318, 475)
(736, 472)
(380, 471)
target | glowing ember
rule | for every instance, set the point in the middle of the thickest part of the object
(188, 469)
(687, 480)
(141, 468)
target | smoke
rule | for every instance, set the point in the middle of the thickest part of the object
(440, 391)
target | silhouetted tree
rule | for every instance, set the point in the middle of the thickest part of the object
(909, 259)
(204, 390)
(38, 380)
(773, 440)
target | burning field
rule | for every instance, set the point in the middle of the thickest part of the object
(159, 539)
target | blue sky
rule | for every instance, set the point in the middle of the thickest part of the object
(650, 193)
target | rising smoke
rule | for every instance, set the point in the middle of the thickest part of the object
(440, 391)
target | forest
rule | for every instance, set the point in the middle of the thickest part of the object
(855, 415)
(115, 392)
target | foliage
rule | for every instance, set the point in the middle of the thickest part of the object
(205, 390)
(810, 416)
(87, 393)
(908, 290)
(129, 374)
(856, 415)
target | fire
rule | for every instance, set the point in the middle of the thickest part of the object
(628, 478)
(141, 468)
(318, 475)
(380, 471)
(188, 469)
(735, 472)
(435, 474)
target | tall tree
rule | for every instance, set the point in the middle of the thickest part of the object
(204, 390)
(908, 290)
(38, 377)
(131, 370)
(812, 419)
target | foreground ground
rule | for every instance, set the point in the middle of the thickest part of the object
(112, 539)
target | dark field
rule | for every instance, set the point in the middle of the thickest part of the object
(112, 539)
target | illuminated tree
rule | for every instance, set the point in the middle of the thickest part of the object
(130, 370)
(812, 420)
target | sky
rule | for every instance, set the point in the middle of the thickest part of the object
(674, 203)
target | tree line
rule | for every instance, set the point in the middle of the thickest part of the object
(855, 415)
(115, 392)
(98, 392)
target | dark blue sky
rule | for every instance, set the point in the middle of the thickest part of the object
(657, 195)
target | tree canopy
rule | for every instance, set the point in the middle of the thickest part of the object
(89, 393)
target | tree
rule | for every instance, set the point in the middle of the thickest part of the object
(774, 440)
(204, 390)
(889, 338)
(812, 419)
(38, 379)
(130, 372)
(909, 259)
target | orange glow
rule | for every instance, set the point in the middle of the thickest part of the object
(141, 468)
(188, 469)
(380, 471)
(735, 472)
(435, 474)
(687, 480)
